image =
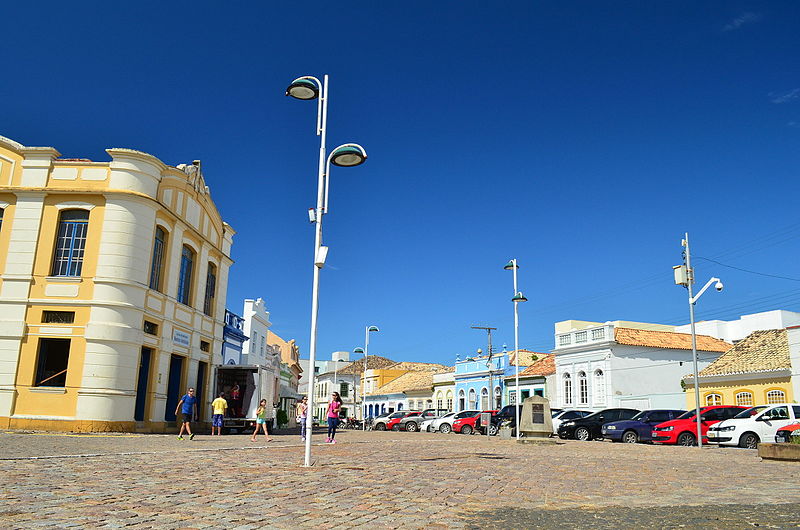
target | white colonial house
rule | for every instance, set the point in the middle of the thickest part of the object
(625, 364)
(256, 326)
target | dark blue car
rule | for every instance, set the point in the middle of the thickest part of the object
(640, 427)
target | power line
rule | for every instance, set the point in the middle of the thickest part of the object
(747, 270)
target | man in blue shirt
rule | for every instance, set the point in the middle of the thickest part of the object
(188, 407)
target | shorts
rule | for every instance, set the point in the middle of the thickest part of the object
(216, 420)
(187, 417)
(261, 421)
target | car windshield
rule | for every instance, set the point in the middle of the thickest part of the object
(465, 414)
(686, 415)
(749, 413)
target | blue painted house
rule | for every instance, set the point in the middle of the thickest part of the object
(478, 378)
(233, 338)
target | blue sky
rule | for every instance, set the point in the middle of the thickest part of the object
(581, 138)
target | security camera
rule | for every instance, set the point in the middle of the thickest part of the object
(719, 286)
(312, 215)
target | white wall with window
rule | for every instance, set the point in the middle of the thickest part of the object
(256, 325)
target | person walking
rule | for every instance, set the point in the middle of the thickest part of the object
(333, 417)
(302, 416)
(219, 406)
(188, 407)
(261, 420)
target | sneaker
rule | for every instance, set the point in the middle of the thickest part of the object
(333, 441)
(303, 439)
(327, 440)
(191, 436)
(180, 437)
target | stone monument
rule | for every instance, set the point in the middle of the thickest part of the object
(536, 422)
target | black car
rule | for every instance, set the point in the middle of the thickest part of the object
(506, 414)
(589, 427)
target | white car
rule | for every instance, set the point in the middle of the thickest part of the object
(754, 425)
(445, 423)
(432, 425)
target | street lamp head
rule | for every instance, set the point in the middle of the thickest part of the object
(373, 328)
(358, 350)
(519, 298)
(348, 155)
(511, 265)
(304, 88)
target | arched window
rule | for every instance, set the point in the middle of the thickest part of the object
(157, 265)
(399, 406)
(473, 400)
(72, 228)
(484, 398)
(583, 388)
(599, 386)
(498, 398)
(776, 396)
(567, 389)
(744, 399)
(462, 402)
(1, 217)
(185, 280)
(439, 400)
(211, 288)
(713, 399)
(449, 398)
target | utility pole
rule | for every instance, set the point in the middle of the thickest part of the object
(489, 365)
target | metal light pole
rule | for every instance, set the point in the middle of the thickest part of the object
(684, 275)
(518, 297)
(309, 88)
(365, 351)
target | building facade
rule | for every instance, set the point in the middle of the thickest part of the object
(233, 338)
(625, 364)
(256, 327)
(114, 278)
(535, 380)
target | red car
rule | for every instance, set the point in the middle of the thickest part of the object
(785, 434)
(467, 425)
(683, 430)
(393, 424)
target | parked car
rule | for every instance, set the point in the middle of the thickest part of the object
(754, 425)
(683, 430)
(446, 425)
(640, 427)
(411, 423)
(380, 423)
(506, 414)
(434, 424)
(394, 423)
(589, 427)
(567, 414)
(468, 424)
(788, 434)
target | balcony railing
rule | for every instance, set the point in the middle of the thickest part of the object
(233, 320)
(585, 336)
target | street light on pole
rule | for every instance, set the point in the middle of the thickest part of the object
(365, 351)
(518, 297)
(347, 155)
(684, 275)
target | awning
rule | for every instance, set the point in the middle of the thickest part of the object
(286, 392)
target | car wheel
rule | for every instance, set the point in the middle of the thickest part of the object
(466, 429)
(445, 428)
(396, 427)
(582, 434)
(493, 430)
(380, 427)
(630, 437)
(687, 439)
(412, 426)
(562, 435)
(749, 440)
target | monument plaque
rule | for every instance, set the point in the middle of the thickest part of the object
(536, 423)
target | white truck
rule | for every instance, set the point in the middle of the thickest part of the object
(244, 387)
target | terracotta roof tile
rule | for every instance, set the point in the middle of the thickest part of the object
(761, 351)
(668, 339)
(546, 365)
(374, 361)
(524, 357)
(425, 367)
(409, 381)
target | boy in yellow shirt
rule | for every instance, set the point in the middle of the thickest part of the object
(219, 405)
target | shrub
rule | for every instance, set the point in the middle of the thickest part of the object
(283, 418)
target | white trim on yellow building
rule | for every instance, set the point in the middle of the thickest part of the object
(117, 375)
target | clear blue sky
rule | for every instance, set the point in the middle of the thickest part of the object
(582, 139)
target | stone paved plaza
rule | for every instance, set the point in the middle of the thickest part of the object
(379, 479)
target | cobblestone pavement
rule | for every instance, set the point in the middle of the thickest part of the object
(378, 479)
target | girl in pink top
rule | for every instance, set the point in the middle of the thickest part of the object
(333, 417)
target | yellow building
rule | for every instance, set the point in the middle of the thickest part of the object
(756, 371)
(112, 292)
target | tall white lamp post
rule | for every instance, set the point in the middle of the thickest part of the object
(684, 275)
(518, 297)
(347, 155)
(365, 351)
